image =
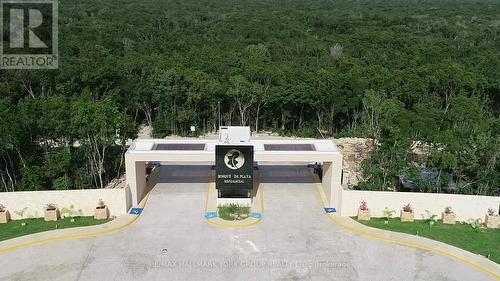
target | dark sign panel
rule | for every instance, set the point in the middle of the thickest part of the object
(234, 168)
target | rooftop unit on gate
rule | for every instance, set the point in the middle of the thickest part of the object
(234, 135)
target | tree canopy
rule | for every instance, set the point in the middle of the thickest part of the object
(396, 71)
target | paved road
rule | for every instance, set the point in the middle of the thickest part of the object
(172, 241)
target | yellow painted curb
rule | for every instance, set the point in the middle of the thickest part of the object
(396, 241)
(225, 226)
(76, 236)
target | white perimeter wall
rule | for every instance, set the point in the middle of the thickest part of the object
(30, 204)
(464, 206)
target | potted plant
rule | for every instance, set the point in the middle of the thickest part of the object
(101, 211)
(363, 212)
(492, 219)
(407, 213)
(448, 216)
(4, 214)
(51, 212)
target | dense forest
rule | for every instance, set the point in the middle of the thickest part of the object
(397, 71)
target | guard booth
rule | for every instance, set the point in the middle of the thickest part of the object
(233, 155)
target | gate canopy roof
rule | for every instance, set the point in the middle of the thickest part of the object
(204, 150)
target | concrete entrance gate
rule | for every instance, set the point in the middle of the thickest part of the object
(203, 151)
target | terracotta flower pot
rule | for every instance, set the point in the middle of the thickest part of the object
(363, 215)
(52, 215)
(492, 221)
(407, 216)
(4, 216)
(101, 213)
(449, 218)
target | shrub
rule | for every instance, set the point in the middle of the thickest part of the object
(363, 206)
(491, 212)
(475, 223)
(430, 218)
(50, 207)
(408, 208)
(100, 204)
(388, 213)
(233, 212)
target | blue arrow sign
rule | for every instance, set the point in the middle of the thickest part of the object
(136, 211)
(256, 215)
(330, 210)
(210, 215)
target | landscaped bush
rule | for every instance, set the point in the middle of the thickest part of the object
(233, 212)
